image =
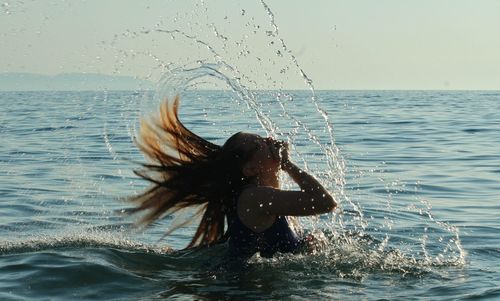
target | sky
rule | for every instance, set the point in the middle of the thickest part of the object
(348, 44)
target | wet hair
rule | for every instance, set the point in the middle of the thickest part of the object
(187, 171)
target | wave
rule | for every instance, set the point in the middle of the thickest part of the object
(351, 255)
(72, 240)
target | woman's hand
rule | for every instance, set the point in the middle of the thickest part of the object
(315, 242)
(284, 159)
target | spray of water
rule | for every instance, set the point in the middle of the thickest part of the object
(352, 234)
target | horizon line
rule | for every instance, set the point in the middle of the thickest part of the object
(269, 90)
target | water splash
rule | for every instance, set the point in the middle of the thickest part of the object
(5, 7)
(351, 224)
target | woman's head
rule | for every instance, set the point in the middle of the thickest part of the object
(256, 157)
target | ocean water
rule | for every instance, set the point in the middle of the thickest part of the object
(416, 174)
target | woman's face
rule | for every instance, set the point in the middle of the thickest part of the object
(266, 153)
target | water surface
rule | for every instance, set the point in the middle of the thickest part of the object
(418, 216)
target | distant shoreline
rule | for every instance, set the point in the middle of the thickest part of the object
(17, 81)
(69, 82)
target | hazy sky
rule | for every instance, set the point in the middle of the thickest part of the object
(351, 44)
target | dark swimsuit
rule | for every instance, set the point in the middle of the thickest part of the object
(243, 242)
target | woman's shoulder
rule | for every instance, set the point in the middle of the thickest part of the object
(251, 208)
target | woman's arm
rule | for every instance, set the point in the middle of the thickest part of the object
(312, 199)
(309, 185)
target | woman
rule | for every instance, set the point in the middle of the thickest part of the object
(235, 187)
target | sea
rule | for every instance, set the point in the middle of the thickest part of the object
(416, 175)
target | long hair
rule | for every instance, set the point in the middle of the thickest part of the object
(188, 171)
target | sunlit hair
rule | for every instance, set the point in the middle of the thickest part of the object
(189, 171)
